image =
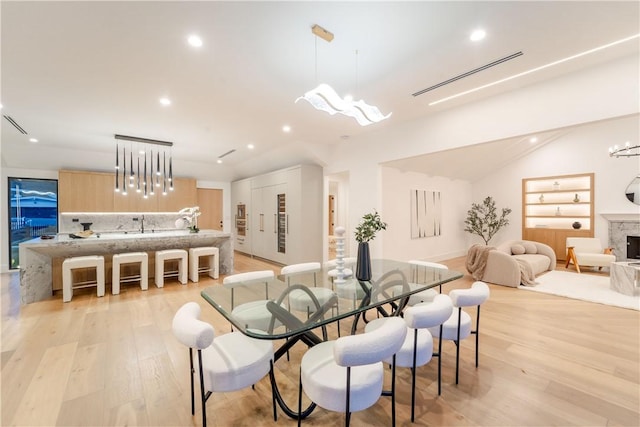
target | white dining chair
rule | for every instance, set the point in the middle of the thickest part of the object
(417, 349)
(347, 374)
(459, 324)
(227, 362)
(425, 270)
(253, 314)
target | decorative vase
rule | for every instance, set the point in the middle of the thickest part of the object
(541, 198)
(363, 264)
(576, 225)
(576, 199)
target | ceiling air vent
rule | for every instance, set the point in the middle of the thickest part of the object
(15, 125)
(469, 73)
(227, 153)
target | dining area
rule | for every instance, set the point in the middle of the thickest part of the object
(339, 332)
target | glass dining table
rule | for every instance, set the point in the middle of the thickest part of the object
(299, 307)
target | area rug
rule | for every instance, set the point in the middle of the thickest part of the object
(586, 287)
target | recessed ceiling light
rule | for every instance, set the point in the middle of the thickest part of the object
(33, 140)
(219, 161)
(165, 101)
(286, 128)
(250, 146)
(0, 106)
(194, 40)
(478, 35)
(533, 139)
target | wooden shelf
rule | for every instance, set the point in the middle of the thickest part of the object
(553, 229)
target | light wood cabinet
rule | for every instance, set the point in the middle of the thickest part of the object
(210, 202)
(80, 191)
(85, 191)
(557, 207)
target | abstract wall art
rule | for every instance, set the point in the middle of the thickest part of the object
(426, 213)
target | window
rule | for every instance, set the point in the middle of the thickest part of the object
(33, 212)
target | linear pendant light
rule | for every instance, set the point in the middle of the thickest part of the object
(151, 168)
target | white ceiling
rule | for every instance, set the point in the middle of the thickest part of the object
(76, 73)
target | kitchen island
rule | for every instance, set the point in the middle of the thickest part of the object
(37, 255)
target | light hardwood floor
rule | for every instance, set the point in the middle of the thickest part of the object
(544, 360)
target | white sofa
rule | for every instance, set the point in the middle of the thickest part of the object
(503, 263)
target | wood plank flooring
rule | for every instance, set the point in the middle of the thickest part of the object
(544, 360)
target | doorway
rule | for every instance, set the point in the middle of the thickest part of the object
(210, 203)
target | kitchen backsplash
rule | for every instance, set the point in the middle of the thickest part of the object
(71, 222)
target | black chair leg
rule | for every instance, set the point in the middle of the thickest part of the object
(477, 334)
(204, 399)
(413, 375)
(347, 418)
(193, 403)
(393, 392)
(440, 362)
(273, 391)
(300, 399)
(458, 343)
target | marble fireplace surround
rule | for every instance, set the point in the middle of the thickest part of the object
(621, 226)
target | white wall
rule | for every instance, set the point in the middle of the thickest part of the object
(607, 91)
(583, 150)
(456, 199)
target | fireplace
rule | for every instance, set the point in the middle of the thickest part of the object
(633, 247)
(624, 235)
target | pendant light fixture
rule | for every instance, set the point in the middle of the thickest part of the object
(151, 169)
(117, 171)
(124, 171)
(324, 97)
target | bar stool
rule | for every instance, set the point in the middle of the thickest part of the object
(130, 258)
(194, 262)
(171, 254)
(69, 264)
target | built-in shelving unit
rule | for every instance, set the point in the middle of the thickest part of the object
(557, 207)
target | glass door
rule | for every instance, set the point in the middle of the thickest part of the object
(33, 212)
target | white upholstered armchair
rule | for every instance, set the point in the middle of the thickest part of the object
(588, 251)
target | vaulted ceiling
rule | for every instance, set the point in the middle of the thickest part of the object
(76, 73)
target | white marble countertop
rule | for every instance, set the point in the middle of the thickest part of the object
(36, 255)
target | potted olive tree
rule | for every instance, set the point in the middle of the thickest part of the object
(483, 220)
(366, 231)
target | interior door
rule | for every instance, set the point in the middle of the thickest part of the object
(210, 202)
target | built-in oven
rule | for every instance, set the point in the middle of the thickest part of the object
(241, 220)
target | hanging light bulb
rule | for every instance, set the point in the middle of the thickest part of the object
(164, 173)
(145, 175)
(124, 171)
(131, 176)
(170, 173)
(138, 176)
(117, 167)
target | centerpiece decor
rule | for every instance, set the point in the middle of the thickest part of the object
(483, 220)
(366, 231)
(189, 218)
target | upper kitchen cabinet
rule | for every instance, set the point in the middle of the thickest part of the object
(184, 194)
(81, 191)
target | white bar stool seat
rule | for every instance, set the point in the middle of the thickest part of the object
(69, 264)
(130, 258)
(194, 262)
(171, 254)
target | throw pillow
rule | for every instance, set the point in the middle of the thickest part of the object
(530, 247)
(517, 249)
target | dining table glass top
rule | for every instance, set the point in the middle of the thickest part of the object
(287, 306)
